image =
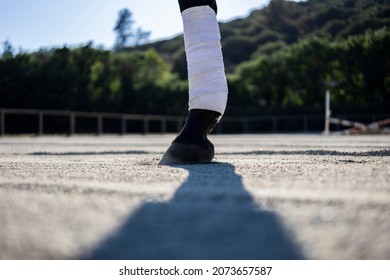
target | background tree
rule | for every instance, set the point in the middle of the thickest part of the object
(126, 36)
(123, 29)
(141, 36)
(8, 50)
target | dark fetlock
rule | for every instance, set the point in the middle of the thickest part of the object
(191, 145)
(186, 4)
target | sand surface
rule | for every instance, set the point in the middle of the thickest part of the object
(265, 197)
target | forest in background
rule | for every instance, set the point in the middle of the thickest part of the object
(280, 59)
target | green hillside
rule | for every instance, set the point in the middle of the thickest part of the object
(283, 23)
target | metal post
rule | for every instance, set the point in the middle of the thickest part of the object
(72, 129)
(124, 125)
(146, 126)
(327, 113)
(305, 124)
(2, 122)
(163, 126)
(244, 125)
(40, 129)
(275, 124)
(99, 125)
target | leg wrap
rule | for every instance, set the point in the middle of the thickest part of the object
(206, 72)
(185, 4)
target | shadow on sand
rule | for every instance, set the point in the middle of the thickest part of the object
(373, 153)
(211, 216)
(89, 153)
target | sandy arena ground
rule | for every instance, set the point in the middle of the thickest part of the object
(265, 197)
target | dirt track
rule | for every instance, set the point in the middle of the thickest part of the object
(266, 197)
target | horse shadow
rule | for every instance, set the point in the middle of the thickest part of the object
(210, 217)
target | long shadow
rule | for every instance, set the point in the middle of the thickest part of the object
(211, 216)
(373, 153)
(89, 153)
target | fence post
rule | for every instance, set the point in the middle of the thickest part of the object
(327, 113)
(305, 124)
(124, 125)
(2, 121)
(99, 124)
(275, 124)
(163, 125)
(40, 129)
(244, 125)
(72, 120)
(146, 125)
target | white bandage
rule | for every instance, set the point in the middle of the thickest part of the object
(206, 72)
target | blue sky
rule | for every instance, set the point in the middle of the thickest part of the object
(31, 24)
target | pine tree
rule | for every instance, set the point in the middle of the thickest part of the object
(124, 29)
